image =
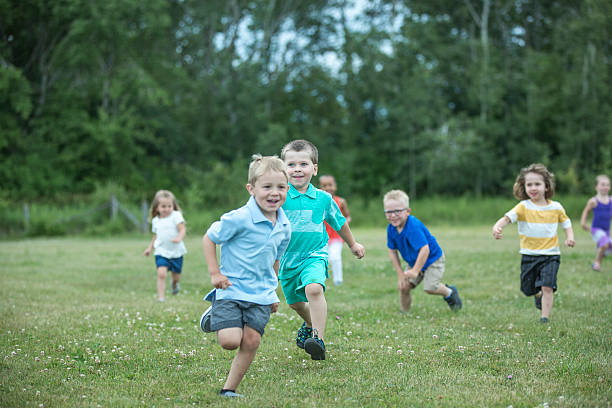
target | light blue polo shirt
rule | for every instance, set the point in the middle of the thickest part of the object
(250, 245)
(306, 212)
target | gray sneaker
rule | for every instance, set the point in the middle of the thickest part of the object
(205, 321)
(176, 288)
(454, 301)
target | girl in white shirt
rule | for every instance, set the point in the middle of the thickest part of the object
(168, 226)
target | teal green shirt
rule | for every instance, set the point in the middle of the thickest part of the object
(306, 213)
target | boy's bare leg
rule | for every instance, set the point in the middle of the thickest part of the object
(318, 307)
(547, 301)
(405, 299)
(442, 290)
(303, 309)
(162, 273)
(249, 343)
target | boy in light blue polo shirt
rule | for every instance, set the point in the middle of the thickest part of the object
(303, 267)
(253, 239)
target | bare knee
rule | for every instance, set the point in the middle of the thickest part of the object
(250, 339)
(547, 290)
(229, 344)
(314, 290)
(162, 273)
(230, 338)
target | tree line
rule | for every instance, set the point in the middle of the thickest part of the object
(436, 97)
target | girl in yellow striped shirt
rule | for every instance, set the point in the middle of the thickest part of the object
(538, 218)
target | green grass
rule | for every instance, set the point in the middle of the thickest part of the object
(80, 327)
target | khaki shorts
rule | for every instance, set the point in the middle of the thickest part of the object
(432, 276)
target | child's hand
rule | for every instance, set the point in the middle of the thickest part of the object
(274, 308)
(585, 227)
(497, 232)
(403, 283)
(176, 240)
(358, 250)
(147, 252)
(570, 243)
(220, 281)
(410, 274)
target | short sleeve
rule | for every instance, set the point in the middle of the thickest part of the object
(564, 220)
(390, 241)
(223, 230)
(515, 213)
(154, 225)
(333, 216)
(177, 217)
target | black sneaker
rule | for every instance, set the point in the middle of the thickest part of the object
(538, 302)
(205, 321)
(303, 334)
(315, 347)
(454, 301)
(544, 320)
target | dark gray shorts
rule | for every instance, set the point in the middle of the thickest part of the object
(538, 271)
(237, 313)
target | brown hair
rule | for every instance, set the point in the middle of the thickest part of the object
(155, 202)
(301, 145)
(537, 168)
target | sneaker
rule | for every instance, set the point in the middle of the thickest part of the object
(303, 334)
(230, 394)
(205, 321)
(315, 347)
(596, 267)
(544, 320)
(454, 301)
(538, 302)
(175, 288)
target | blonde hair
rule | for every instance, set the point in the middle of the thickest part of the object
(155, 202)
(299, 146)
(537, 168)
(600, 177)
(263, 164)
(398, 195)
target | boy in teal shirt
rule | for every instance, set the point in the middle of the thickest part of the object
(303, 267)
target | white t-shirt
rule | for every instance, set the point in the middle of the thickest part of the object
(166, 230)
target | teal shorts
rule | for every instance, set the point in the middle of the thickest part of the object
(312, 271)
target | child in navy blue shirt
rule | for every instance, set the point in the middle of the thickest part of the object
(407, 235)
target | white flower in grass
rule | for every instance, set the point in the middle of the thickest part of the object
(435, 336)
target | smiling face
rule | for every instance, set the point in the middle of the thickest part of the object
(165, 207)
(300, 168)
(396, 212)
(603, 186)
(270, 192)
(328, 184)
(535, 187)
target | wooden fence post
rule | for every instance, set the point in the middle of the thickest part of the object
(26, 217)
(113, 207)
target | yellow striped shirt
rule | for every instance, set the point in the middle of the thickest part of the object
(537, 226)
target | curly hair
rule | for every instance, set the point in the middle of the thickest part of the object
(537, 168)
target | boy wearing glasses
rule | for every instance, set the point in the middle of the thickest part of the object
(408, 235)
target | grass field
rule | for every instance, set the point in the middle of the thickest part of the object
(80, 326)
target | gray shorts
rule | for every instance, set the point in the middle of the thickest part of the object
(238, 313)
(432, 276)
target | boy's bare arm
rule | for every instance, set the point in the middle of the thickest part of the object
(501, 223)
(217, 279)
(345, 210)
(356, 248)
(419, 263)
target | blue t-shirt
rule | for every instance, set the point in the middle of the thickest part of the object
(306, 212)
(250, 245)
(413, 237)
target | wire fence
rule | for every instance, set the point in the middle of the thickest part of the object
(114, 207)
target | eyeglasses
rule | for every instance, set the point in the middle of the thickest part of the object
(389, 213)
